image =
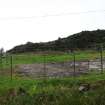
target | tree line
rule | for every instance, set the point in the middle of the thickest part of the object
(78, 41)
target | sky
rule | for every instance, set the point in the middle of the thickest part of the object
(22, 21)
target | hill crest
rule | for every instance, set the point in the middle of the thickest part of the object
(80, 41)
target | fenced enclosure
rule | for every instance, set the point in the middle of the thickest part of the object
(53, 65)
(39, 77)
(59, 69)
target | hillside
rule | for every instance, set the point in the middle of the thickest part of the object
(62, 44)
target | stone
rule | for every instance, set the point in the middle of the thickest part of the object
(84, 87)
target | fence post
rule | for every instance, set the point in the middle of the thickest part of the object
(74, 60)
(88, 65)
(11, 64)
(1, 63)
(44, 68)
(6, 58)
(101, 55)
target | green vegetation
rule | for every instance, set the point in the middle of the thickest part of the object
(62, 91)
(30, 58)
(81, 41)
(55, 91)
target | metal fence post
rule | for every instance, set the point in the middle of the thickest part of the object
(88, 65)
(101, 55)
(44, 69)
(1, 61)
(74, 60)
(6, 59)
(11, 64)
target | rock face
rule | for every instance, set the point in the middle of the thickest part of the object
(84, 87)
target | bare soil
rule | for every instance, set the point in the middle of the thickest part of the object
(61, 69)
(52, 69)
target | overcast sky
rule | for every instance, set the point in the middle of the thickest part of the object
(44, 20)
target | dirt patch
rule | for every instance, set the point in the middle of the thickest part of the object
(51, 69)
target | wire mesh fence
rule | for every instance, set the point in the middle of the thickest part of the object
(46, 65)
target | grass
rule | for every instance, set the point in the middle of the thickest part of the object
(33, 58)
(56, 91)
(62, 91)
(38, 58)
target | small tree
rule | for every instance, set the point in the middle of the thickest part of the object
(1, 51)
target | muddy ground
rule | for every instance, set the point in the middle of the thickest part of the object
(62, 69)
(52, 69)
